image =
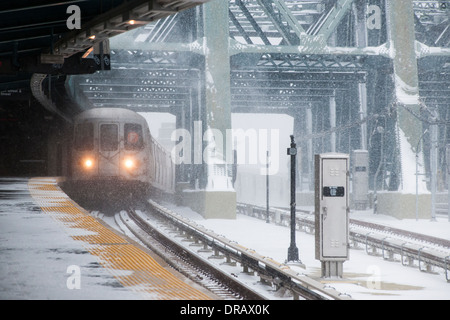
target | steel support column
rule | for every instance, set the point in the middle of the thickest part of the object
(217, 65)
(218, 199)
(402, 39)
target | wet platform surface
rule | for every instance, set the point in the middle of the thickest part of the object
(50, 248)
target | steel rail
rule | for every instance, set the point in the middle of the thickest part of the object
(191, 265)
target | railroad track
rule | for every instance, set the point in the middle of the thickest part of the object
(228, 269)
(430, 240)
(412, 249)
(191, 266)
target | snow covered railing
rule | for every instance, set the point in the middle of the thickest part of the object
(268, 269)
(409, 251)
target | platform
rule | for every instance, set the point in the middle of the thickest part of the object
(51, 248)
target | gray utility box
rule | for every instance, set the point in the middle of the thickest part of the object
(360, 181)
(332, 212)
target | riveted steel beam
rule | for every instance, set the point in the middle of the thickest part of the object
(334, 17)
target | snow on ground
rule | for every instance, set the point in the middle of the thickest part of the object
(365, 276)
(439, 228)
(37, 255)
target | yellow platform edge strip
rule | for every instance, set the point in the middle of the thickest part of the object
(130, 265)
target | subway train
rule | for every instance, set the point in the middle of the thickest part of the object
(113, 153)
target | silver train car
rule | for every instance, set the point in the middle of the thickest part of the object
(113, 151)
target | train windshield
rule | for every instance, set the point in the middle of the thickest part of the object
(84, 136)
(109, 137)
(133, 136)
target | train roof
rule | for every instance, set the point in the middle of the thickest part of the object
(117, 114)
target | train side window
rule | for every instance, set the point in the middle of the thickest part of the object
(133, 136)
(84, 136)
(109, 137)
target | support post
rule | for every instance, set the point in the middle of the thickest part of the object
(401, 35)
(214, 196)
(218, 198)
(217, 65)
(362, 89)
(433, 168)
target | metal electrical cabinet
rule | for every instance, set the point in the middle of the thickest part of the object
(332, 211)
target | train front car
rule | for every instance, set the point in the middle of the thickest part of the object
(110, 154)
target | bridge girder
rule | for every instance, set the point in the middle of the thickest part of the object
(338, 39)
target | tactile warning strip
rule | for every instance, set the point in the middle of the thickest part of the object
(133, 267)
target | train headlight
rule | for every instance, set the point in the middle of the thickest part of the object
(129, 163)
(88, 163)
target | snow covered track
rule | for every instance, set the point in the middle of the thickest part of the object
(269, 271)
(391, 244)
(189, 265)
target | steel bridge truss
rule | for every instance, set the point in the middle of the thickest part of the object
(308, 59)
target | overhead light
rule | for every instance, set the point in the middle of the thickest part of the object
(132, 22)
(92, 37)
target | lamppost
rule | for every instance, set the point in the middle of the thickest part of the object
(293, 250)
(433, 163)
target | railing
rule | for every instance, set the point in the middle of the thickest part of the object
(374, 237)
